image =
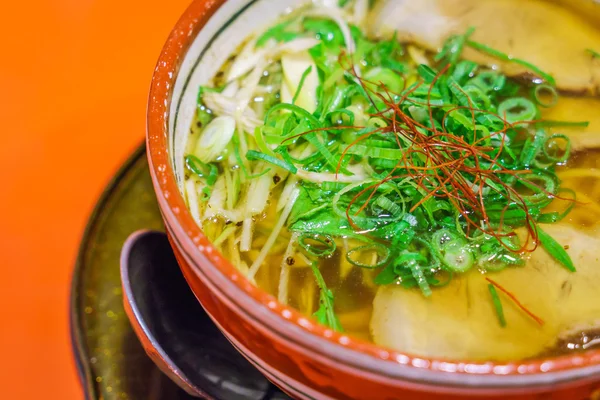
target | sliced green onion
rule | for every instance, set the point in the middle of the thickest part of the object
(593, 53)
(203, 116)
(448, 275)
(376, 123)
(443, 236)
(381, 143)
(453, 47)
(412, 262)
(493, 122)
(357, 85)
(464, 70)
(254, 155)
(375, 152)
(505, 57)
(556, 250)
(305, 214)
(380, 163)
(291, 131)
(417, 273)
(498, 260)
(452, 250)
(326, 313)
(390, 206)
(531, 149)
(542, 90)
(517, 109)
(489, 81)
(261, 143)
(574, 124)
(497, 305)
(333, 186)
(553, 151)
(402, 233)
(543, 186)
(432, 102)
(236, 187)
(342, 198)
(341, 117)
(230, 188)
(514, 213)
(463, 98)
(296, 110)
(426, 73)
(329, 157)
(392, 81)
(478, 97)
(483, 132)
(301, 83)
(206, 193)
(553, 217)
(458, 256)
(458, 117)
(349, 136)
(241, 164)
(337, 98)
(317, 245)
(209, 172)
(510, 240)
(548, 218)
(387, 276)
(277, 33)
(383, 255)
(283, 151)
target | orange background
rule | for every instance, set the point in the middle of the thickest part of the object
(74, 77)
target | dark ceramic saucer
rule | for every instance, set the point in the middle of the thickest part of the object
(176, 332)
(111, 361)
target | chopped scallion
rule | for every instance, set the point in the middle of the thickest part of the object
(497, 305)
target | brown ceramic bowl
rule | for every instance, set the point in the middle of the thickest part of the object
(307, 360)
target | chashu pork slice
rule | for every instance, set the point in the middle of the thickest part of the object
(459, 320)
(548, 35)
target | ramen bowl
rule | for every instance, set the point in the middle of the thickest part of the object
(305, 359)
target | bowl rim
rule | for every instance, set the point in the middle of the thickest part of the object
(291, 325)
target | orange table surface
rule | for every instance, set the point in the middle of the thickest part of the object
(74, 78)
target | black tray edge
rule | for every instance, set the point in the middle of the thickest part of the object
(80, 351)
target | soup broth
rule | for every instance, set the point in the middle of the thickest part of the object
(431, 190)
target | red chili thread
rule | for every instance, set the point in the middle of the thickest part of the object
(517, 302)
